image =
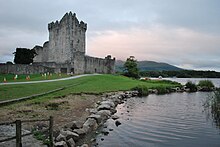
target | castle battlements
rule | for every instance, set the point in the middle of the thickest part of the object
(65, 50)
(69, 19)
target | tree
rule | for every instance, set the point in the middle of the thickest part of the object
(24, 56)
(130, 68)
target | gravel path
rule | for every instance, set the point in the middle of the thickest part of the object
(45, 81)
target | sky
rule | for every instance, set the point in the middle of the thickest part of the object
(184, 33)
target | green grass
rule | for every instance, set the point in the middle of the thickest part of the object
(33, 77)
(91, 84)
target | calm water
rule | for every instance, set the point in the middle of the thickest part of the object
(177, 119)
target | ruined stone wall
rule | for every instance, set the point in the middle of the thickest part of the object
(39, 56)
(98, 65)
(23, 69)
(45, 52)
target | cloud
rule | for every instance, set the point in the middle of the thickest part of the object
(178, 46)
(183, 32)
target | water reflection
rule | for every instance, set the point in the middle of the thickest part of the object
(176, 119)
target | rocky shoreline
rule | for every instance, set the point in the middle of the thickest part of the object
(71, 134)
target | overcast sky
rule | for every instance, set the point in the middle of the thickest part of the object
(185, 33)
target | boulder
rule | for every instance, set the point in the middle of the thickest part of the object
(97, 117)
(105, 114)
(60, 137)
(71, 143)
(69, 134)
(117, 123)
(85, 145)
(76, 125)
(90, 125)
(61, 144)
(104, 107)
(93, 111)
(110, 103)
(80, 132)
(114, 117)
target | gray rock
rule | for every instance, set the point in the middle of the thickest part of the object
(110, 103)
(71, 143)
(80, 132)
(104, 107)
(77, 125)
(117, 123)
(97, 117)
(85, 145)
(105, 114)
(69, 134)
(113, 111)
(93, 111)
(90, 125)
(60, 137)
(61, 144)
(114, 117)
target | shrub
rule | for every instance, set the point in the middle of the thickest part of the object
(215, 107)
(162, 90)
(206, 85)
(192, 87)
(142, 90)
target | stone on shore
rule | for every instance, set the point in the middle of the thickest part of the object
(71, 143)
(68, 134)
(61, 144)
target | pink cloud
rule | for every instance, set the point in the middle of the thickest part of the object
(158, 43)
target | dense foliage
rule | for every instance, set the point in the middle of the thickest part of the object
(142, 90)
(181, 74)
(213, 103)
(130, 68)
(24, 56)
(191, 86)
(207, 85)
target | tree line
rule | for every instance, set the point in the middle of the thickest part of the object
(181, 74)
(130, 69)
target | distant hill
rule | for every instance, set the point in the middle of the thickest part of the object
(148, 66)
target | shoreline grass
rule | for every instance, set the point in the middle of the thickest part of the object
(91, 84)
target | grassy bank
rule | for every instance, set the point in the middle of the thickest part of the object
(92, 84)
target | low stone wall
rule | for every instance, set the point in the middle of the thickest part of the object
(99, 65)
(23, 69)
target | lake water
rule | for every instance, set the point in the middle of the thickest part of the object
(171, 120)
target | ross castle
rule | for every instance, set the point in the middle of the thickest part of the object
(65, 50)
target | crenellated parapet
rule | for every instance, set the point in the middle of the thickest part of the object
(68, 19)
(65, 51)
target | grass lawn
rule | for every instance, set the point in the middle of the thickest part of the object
(33, 77)
(91, 84)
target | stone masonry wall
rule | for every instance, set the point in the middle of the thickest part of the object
(66, 37)
(23, 69)
(98, 65)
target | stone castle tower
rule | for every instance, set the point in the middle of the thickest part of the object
(65, 50)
